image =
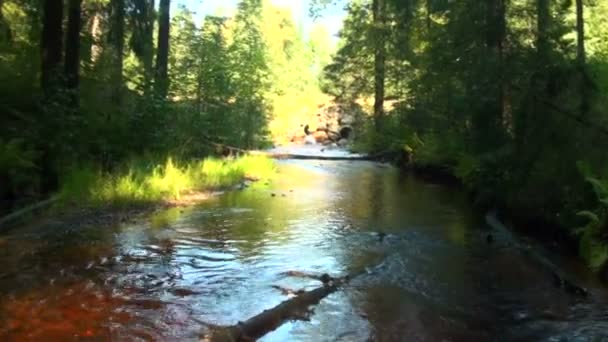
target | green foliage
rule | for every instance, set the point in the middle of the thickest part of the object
(226, 76)
(593, 236)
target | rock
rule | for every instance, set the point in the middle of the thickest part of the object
(347, 120)
(320, 136)
(342, 142)
(310, 140)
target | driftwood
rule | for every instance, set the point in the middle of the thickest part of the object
(20, 215)
(310, 157)
(296, 308)
(560, 279)
(257, 326)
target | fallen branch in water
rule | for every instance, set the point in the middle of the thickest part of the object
(22, 214)
(274, 155)
(296, 308)
(560, 279)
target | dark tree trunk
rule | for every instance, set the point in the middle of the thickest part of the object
(117, 41)
(161, 80)
(51, 44)
(379, 12)
(72, 48)
(492, 117)
(581, 58)
(542, 30)
(580, 34)
(142, 17)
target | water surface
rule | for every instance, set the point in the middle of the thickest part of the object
(178, 273)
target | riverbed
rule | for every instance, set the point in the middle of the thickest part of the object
(181, 272)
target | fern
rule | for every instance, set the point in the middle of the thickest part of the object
(593, 218)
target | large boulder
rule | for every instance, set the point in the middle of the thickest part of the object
(320, 136)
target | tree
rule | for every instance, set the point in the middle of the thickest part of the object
(116, 40)
(142, 17)
(51, 45)
(379, 14)
(72, 48)
(581, 58)
(161, 81)
(250, 78)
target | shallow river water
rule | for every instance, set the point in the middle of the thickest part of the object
(179, 272)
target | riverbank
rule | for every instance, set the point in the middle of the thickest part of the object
(140, 186)
(550, 230)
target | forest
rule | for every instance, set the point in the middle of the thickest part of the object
(508, 96)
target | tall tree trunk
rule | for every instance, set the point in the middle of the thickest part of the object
(542, 30)
(495, 39)
(379, 13)
(142, 18)
(117, 41)
(580, 34)
(581, 58)
(161, 80)
(148, 45)
(96, 31)
(72, 48)
(51, 44)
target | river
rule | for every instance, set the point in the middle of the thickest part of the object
(175, 275)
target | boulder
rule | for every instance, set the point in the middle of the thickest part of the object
(310, 140)
(343, 142)
(320, 136)
(346, 120)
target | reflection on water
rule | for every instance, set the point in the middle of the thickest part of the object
(182, 271)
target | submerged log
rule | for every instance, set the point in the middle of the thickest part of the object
(296, 308)
(560, 279)
(22, 215)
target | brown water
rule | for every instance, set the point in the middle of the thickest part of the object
(180, 272)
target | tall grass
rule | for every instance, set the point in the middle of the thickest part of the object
(141, 182)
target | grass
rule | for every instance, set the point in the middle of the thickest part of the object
(141, 181)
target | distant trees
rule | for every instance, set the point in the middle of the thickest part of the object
(509, 95)
(89, 81)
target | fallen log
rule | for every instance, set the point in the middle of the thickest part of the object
(21, 215)
(274, 155)
(296, 308)
(560, 279)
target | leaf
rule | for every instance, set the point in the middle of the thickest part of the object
(593, 218)
(598, 187)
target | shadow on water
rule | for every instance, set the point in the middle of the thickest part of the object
(182, 271)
